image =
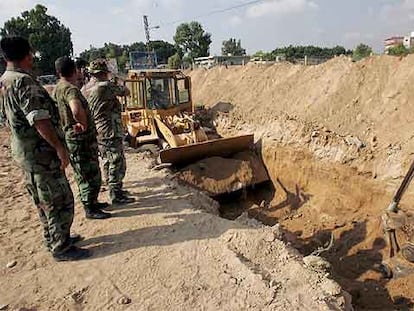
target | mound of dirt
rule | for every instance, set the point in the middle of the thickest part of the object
(217, 175)
(336, 140)
(366, 106)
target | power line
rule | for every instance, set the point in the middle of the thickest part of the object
(214, 12)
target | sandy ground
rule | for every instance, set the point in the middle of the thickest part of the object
(162, 253)
(336, 140)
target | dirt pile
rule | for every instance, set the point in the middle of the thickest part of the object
(336, 140)
(363, 109)
(217, 175)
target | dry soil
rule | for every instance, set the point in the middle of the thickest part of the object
(167, 251)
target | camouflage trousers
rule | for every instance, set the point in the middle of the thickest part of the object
(114, 163)
(83, 155)
(51, 193)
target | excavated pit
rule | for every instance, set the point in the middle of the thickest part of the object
(336, 140)
(313, 200)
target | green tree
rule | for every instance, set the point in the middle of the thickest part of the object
(232, 47)
(339, 50)
(174, 62)
(90, 54)
(112, 50)
(137, 46)
(123, 60)
(164, 50)
(264, 56)
(191, 40)
(399, 50)
(293, 53)
(48, 37)
(361, 51)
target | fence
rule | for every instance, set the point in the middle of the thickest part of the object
(142, 60)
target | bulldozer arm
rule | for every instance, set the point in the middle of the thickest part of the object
(399, 232)
(217, 147)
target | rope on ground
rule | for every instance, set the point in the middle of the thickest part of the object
(321, 250)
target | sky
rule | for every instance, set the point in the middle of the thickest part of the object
(262, 25)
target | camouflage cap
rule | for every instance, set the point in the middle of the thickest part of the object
(97, 66)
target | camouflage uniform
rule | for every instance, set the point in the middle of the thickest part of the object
(86, 90)
(82, 147)
(106, 111)
(25, 101)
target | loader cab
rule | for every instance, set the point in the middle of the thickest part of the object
(158, 90)
(154, 93)
(158, 93)
(164, 93)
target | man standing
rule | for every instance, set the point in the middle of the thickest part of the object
(38, 147)
(106, 111)
(80, 137)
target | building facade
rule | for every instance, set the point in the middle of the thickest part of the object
(394, 41)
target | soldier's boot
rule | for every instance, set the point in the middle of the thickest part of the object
(100, 205)
(72, 253)
(94, 213)
(119, 198)
(125, 192)
(75, 238)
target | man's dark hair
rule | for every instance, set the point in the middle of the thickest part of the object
(15, 48)
(65, 66)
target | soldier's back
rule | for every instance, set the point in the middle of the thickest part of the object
(63, 94)
(106, 111)
(24, 102)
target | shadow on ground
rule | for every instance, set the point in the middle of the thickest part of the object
(355, 264)
(350, 265)
(181, 223)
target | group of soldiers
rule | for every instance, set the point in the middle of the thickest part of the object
(72, 126)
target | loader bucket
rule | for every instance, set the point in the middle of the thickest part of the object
(218, 166)
(221, 147)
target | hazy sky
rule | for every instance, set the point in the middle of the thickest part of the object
(263, 25)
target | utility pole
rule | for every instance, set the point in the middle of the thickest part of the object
(147, 36)
(147, 29)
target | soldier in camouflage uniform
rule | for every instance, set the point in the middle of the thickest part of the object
(86, 90)
(106, 111)
(38, 147)
(80, 137)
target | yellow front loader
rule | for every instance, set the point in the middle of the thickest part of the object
(160, 110)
